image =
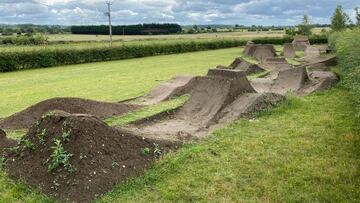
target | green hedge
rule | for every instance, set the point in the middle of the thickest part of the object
(20, 60)
(347, 45)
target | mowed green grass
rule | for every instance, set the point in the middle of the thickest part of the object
(305, 150)
(105, 81)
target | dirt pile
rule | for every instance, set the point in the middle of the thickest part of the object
(289, 50)
(175, 87)
(27, 117)
(77, 157)
(300, 43)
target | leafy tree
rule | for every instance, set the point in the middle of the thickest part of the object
(339, 19)
(357, 12)
(305, 27)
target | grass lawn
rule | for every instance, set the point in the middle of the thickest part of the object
(306, 150)
(105, 81)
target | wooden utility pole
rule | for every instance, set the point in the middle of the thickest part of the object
(109, 15)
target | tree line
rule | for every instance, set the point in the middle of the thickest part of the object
(340, 21)
(139, 29)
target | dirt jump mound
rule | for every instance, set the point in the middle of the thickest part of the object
(321, 62)
(242, 65)
(259, 51)
(203, 111)
(300, 43)
(276, 64)
(312, 52)
(74, 158)
(290, 80)
(27, 117)
(175, 87)
(289, 50)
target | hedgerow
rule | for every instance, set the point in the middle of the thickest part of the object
(20, 60)
(347, 45)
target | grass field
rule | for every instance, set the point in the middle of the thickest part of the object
(218, 35)
(106, 81)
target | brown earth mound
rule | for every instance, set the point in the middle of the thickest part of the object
(290, 80)
(312, 52)
(78, 157)
(327, 61)
(5, 142)
(289, 50)
(175, 87)
(262, 52)
(301, 42)
(320, 81)
(250, 50)
(242, 65)
(276, 64)
(27, 117)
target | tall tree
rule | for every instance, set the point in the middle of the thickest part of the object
(305, 27)
(357, 12)
(339, 19)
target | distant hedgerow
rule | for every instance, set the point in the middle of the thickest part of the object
(20, 60)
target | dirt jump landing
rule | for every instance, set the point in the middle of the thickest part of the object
(74, 158)
(320, 62)
(242, 65)
(296, 80)
(289, 50)
(259, 51)
(300, 43)
(311, 52)
(175, 87)
(212, 94)
(27, 117)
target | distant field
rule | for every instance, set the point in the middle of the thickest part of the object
(236, 35)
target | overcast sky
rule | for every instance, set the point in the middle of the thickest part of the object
(185, 12)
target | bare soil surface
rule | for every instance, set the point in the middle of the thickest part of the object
(300, 43)
(27, 117)
(289, 50)
(175, 87)
(98, 156)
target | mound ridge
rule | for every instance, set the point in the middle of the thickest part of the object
(95, 156)
(24, 119)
